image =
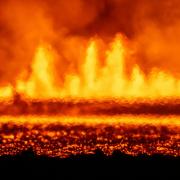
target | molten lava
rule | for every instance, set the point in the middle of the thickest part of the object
(89, 74)
(96, 80)
(40, 83)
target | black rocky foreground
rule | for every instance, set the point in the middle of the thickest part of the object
(118, 164)
(15, 139)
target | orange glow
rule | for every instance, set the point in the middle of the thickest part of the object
(95, 81)
(6, 92)
(172, 121)
(61, 136)
(40, 82)
(105, 64)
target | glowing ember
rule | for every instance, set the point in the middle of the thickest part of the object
(62, 136)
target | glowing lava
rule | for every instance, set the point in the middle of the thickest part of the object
(64, 136)
(96, 80)
(57, 128)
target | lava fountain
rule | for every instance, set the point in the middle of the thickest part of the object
(100, 98)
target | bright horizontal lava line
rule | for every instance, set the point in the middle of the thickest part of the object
(95, 120)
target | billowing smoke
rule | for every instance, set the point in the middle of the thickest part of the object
(152, 26)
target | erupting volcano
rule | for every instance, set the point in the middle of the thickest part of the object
(74, 84)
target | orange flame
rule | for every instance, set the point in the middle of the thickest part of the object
(94, 81)
(40, 83)
(6, 92)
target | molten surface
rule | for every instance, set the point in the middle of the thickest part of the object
(62, 128)
(64, 136)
